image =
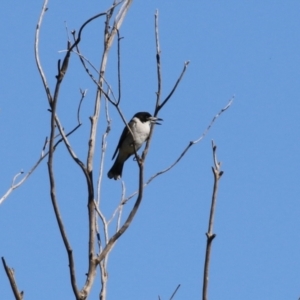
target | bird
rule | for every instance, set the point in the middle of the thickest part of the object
(140, 126)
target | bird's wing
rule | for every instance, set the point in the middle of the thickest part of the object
(122, 138)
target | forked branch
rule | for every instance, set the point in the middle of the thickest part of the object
(129, 219)
(158, 105)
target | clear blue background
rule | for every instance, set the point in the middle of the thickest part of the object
(250, 49)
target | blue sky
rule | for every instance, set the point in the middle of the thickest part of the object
(235, 48)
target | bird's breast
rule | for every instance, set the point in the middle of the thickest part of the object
(141, 133)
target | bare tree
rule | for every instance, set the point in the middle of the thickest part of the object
(100, 242)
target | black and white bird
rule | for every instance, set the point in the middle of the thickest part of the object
(140, 126)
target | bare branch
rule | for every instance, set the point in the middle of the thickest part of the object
(158, 68)
(159, 83)
(121, 206)
(100, 176)
(103, 150)
(36, 51)
(84, 62)
(174, 88)
(104, 278)
(11, 277)
(159, 106)
(83, 94)
(53, 195)
(119, 68)
(15, 185)
(210, 235)
(105, 223)
(70, 149)
(130, 217)
(175, 292)
(214, 119)
(43, 155)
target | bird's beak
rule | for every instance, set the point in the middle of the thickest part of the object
(154, 120)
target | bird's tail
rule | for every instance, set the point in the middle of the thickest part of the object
(116, 170)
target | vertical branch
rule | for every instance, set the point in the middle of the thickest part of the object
(210, 235)
(158, 93)
(103, 279)
(103, 150)
(53, 194)
(103, 264)
(121, 206)
(158, 51)
(12, 281)
(119, 69)
(36, 51)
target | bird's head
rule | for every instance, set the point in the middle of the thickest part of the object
(146, 117)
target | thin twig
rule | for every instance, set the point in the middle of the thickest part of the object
(86, 61)
(174, 88)
(158, 67)
(178, 286)
(158, 105)
(14, 185)
(104, 222)
(70, 149)
(210, 235)
(121, 206)
(12, 281)
(97, 203)
(119, 68)
(83, 94)
(43, 155)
